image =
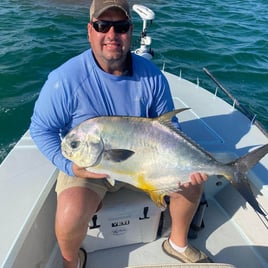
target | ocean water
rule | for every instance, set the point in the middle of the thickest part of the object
(229, 38)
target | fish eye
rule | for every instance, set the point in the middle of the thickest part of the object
(75, 144)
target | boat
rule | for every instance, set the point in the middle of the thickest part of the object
(233, 235)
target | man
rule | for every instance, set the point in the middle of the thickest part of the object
(104, 80)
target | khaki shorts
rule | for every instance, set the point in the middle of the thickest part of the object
(100, 186)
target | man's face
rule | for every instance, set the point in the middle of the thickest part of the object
(111, 48)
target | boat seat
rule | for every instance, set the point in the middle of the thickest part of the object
(26, 186)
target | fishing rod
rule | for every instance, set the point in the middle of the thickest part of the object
(236, 103)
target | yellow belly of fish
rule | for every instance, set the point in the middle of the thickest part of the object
(152, 190)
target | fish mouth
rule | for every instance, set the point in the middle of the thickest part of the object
(66, 152)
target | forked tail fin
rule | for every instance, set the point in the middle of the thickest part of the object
(243, 187)
(241, 183)
(248, 161)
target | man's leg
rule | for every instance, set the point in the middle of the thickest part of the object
(183, 206)
(75, 207)
(182, 209)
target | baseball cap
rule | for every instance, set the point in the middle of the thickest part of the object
(99, 6)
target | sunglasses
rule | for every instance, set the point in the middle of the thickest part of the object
(103, 26)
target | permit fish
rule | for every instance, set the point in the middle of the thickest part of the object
(152, 155)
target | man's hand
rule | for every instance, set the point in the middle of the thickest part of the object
(191, 190)
(196, 178)
(83, 173)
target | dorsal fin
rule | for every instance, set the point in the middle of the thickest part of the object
(165, 119)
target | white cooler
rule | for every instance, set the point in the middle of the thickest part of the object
(127, 217)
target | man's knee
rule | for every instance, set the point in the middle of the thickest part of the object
(75, 207)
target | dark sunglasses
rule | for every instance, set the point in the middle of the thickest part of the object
(103, 26)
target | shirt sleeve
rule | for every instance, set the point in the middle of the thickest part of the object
(51, 115)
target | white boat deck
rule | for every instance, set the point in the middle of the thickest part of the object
(233, 232)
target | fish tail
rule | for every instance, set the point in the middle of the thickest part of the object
(244, 163)
(243, 187)
(240, 181)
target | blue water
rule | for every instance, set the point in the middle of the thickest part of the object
(229, 37)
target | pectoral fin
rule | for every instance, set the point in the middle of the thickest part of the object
(117, 155)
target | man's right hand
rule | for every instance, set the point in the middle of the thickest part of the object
(84, 173)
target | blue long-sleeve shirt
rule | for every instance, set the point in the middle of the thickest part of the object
(79, 89)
